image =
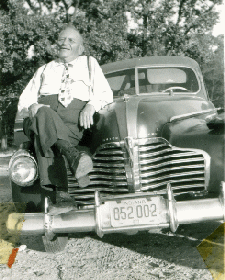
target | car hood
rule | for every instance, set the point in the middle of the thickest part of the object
(153, 114)
(143, 116)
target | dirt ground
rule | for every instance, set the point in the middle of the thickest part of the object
(158, 255)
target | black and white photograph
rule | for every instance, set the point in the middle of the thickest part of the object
(112, 130)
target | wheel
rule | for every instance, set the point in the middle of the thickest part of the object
(57, 244)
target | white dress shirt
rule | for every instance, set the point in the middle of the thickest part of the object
(47, 81)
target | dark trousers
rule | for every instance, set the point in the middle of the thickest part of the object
(49, 125)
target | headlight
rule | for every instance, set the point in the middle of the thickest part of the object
(23, 170)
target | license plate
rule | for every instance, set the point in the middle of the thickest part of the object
(138, 211)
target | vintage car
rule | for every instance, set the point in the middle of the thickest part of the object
(158, 153)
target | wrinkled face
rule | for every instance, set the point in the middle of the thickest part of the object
(70, 44)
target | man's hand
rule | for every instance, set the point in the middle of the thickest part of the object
(34, 108)
(86, 116)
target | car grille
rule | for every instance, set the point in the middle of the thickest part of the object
(159, 163)
(108, 175)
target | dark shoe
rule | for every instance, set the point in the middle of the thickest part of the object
(80, 163)
(69, 151)
(61, 208)
(64, 204)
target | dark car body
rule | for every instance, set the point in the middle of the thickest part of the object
(158, 152)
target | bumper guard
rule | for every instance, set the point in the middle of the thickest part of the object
(98, 219)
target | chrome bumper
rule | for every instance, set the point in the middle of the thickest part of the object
(98, 219)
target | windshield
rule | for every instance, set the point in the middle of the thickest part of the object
(122, 82)
(160, 79)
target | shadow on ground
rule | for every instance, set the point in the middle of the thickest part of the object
(179, 248)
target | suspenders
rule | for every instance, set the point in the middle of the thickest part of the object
(89, 71)
(89, 68)
(90, 76)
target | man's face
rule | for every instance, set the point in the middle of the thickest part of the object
(70, 44)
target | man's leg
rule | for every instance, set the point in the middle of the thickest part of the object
(53, 176)
(70, 116)
(50, 131)
(80, 163)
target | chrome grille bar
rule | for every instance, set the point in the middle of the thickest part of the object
(171, 162)
(108, 174)
(181, 183)
(160, 164)
(170, 169)
(169, 157)
(154, 162)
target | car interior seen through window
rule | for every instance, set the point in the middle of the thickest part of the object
(122, 82)
(150, 80)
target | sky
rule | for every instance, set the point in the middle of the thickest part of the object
(219, 28)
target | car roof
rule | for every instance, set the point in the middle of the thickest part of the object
(149, 61)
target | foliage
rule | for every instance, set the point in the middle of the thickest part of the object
(213, 72)
(19, 31)
(163, 27)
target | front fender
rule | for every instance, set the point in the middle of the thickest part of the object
(194, 133)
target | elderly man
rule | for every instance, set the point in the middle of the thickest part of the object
(61, 100)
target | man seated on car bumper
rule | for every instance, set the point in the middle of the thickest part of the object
(62, 98)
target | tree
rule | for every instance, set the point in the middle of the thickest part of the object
(18, 32)
(163, 27)
(213, 72)
(103, 26)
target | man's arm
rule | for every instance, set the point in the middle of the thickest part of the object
(27, 105)
(101, 94)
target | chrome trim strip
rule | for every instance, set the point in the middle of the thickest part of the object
(166, 179)
(108, 183)
(170, 162)
(145, 141)
(132, 149)
(108, 165)
(184, 116)
(155, 153)
(108, 158)
(190, 187)
(108, 177)
(186, 153)
(102, 189)
(18, 130)
(108, 170)
(148, 174)
(151, 160)
(173, 175)
(111, 152)
(149, 148)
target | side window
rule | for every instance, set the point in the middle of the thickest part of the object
(122, 82)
